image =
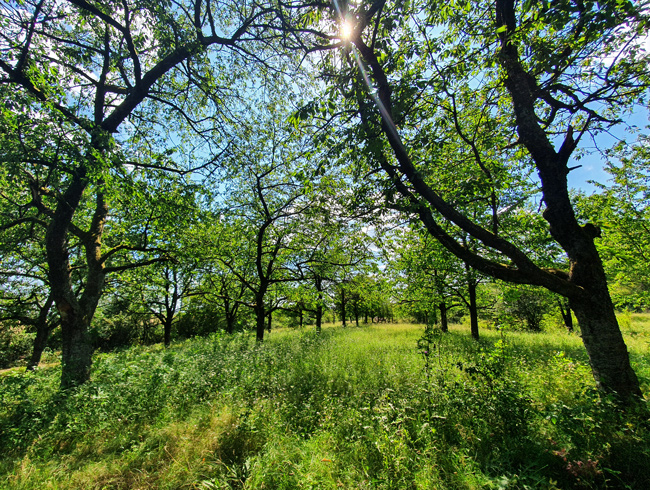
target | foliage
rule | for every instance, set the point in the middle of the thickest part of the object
(15, 344)
(621, 210)
(523, 307)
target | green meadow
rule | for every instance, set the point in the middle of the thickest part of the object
(388, 406)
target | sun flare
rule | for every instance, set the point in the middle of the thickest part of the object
(346, 30)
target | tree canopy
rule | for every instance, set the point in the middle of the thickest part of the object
(254, 156)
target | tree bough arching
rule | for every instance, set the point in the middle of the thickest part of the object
(541, 69)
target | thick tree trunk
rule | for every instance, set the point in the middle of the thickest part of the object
(261, 324)
(444, 326)
(230, 317)
(76, 351)
(319, 313)
(230, 323)
(605, 346)
(260, 316)
(319, 318)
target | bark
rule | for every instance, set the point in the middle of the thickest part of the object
(172, 295)
(230, 323)
(343, 301)
(473, 310)
(167, 328)
(319, 317)
(319, 303)
(76, 352)
(270, 318)
(605, 346)
(230, 316)
(260, 315)
(40, 342)
(43, 329)
(444, 325)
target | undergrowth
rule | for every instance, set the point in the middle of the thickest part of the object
(372, 407)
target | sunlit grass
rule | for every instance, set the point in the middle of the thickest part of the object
(355, 407)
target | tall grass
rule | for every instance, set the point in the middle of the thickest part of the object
(350, 408)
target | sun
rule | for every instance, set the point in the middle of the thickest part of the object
(346, 30)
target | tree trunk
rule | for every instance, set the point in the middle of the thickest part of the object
(76, 315)
(260, 313)
(167, 327)
(605, 346)
(444, 326)
(43, 329)
(566, 315)
(319, 312)
(270, 317)
(599, 329)
(76, 351)
(473, 310)
(230, 323)
(319, 317)
(343, 306)
(260, 317)
(230, 316)
(40, 342)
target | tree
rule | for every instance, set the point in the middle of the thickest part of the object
(88, 67)
(222, 286)
(264, 228)
(433, 280)
(546, 72)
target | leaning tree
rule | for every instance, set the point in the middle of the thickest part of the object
(499, 86)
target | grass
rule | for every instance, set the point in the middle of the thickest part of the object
(351, 408)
